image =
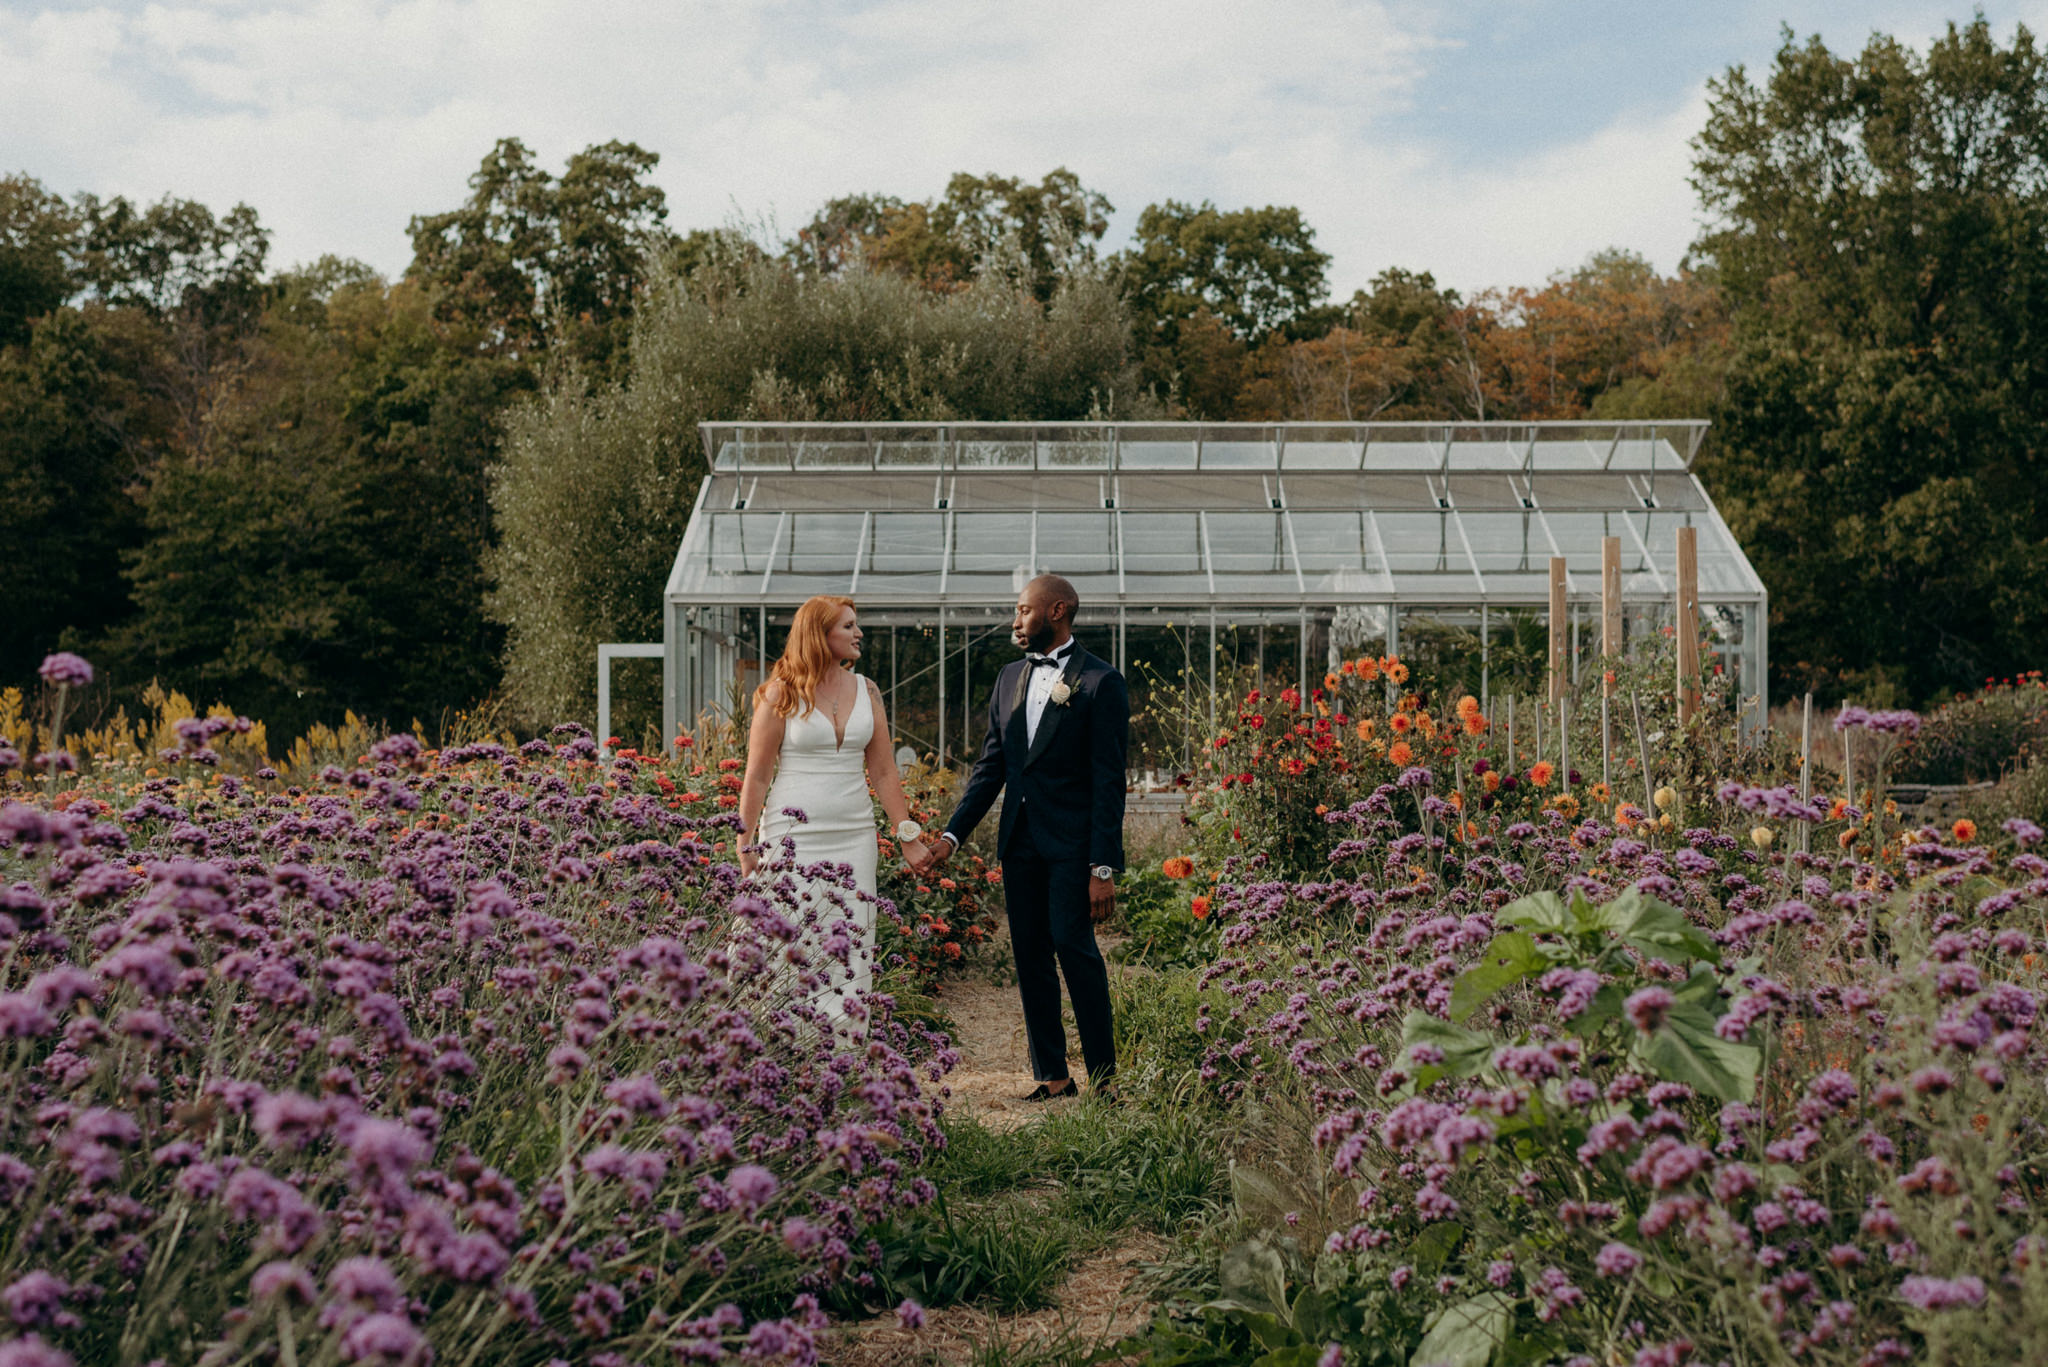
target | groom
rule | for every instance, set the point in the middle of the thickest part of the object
(1058, 727)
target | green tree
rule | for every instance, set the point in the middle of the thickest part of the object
(79, 424)
(1882, 243)
(1256, 270)
(322, 549)
(1034, 236)
(38, 235)
(530, 262)
(594, 488)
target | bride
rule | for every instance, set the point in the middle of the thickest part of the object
(819, 732)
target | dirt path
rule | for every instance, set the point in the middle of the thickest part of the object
(988, 1030)
(1096, 1302)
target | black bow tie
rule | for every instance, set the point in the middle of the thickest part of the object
(1052, 661)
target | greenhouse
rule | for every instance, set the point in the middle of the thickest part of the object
(1207, 555)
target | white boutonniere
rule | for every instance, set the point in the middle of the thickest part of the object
(1062, 692)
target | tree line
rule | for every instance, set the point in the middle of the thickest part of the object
(310, 489)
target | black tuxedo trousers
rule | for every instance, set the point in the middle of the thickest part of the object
(1053, 936)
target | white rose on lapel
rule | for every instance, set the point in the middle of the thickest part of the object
(1062, 692)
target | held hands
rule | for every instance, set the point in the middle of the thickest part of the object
(926, 853)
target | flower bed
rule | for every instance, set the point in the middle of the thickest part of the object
(1571, 1092)
(481, 1056)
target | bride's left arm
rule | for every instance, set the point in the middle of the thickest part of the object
(881, 763)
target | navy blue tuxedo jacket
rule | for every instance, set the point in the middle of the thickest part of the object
(1071, 776)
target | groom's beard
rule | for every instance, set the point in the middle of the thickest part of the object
(1037, 643)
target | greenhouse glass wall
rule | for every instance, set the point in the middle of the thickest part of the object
(1206, 555)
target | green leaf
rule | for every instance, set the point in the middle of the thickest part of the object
(1433, 1247)
(1686, 1049)
(1654, 929)
(1542, 912)
(1295, 1355)
(1466, 1334)
(1313, 1315)
(1253, 1277)
(1465, 1051)
(1511, 957)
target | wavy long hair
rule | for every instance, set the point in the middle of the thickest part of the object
(806, 656)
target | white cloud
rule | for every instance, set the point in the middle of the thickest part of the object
(339, 119)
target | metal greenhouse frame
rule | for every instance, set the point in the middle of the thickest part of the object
(1274, 547)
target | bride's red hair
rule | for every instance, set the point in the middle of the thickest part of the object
(806, 656)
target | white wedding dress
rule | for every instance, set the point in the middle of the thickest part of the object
(825, 777)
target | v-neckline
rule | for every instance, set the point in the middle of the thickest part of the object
(839, 732)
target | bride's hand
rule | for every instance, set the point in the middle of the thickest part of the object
(749, 861)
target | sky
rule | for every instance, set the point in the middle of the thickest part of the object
(1490, 142)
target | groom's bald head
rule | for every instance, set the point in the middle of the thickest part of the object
(1050, 590)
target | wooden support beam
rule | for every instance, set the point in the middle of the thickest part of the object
(1688, 624)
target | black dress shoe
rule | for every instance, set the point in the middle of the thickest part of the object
(1044, 1093)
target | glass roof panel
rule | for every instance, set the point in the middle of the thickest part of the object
(991, 543)
(993, 455)
(1237, 455)
(906, 543)
(1162, 543)
(1486, 455)
(1073, 455)
(1156, 455)
(1321, 455)
(923, 453)
(834, 455)
(1249, 543)
(1076, 543)
(1022, 491)
(1403, 455)
(1495, 490)
(1193, 491)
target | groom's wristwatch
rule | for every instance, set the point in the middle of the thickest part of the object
(1104, 872)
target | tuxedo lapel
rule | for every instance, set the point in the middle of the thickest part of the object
(1049, 722)
(1014, 730)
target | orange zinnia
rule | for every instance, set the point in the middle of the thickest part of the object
(1468, 706)
(1965, 830)
(1368, 669)
(1541, 772)
(1399, 723)
(1200, 907)
(1399, 753)
(1475, 725)
(1330, 682)
(1177, 866)
(1365, 729)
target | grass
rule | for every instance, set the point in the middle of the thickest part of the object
(1018, 1208)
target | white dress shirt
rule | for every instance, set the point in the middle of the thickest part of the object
(1039, 691)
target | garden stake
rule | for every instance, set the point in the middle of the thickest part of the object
(1564, 744)
(1643, 749)
(1511, 733)
(1806, 774)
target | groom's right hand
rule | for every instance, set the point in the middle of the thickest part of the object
(936, 848)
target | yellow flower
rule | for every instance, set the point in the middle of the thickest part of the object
(1762, 836)
(1666, 798)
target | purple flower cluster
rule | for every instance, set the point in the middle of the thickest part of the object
(456, 1045)
(1820, 1153)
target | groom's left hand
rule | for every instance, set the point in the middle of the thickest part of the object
(1101, 899)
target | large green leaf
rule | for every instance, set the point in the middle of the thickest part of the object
(1654, 929)
(1433, 1247)
(1465, 1051)
(1512, 956)
(1253, 1278)
(1466, 1334)
(1686, 1049)
(1543, 912)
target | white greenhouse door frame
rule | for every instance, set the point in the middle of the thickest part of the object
(606, 653)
